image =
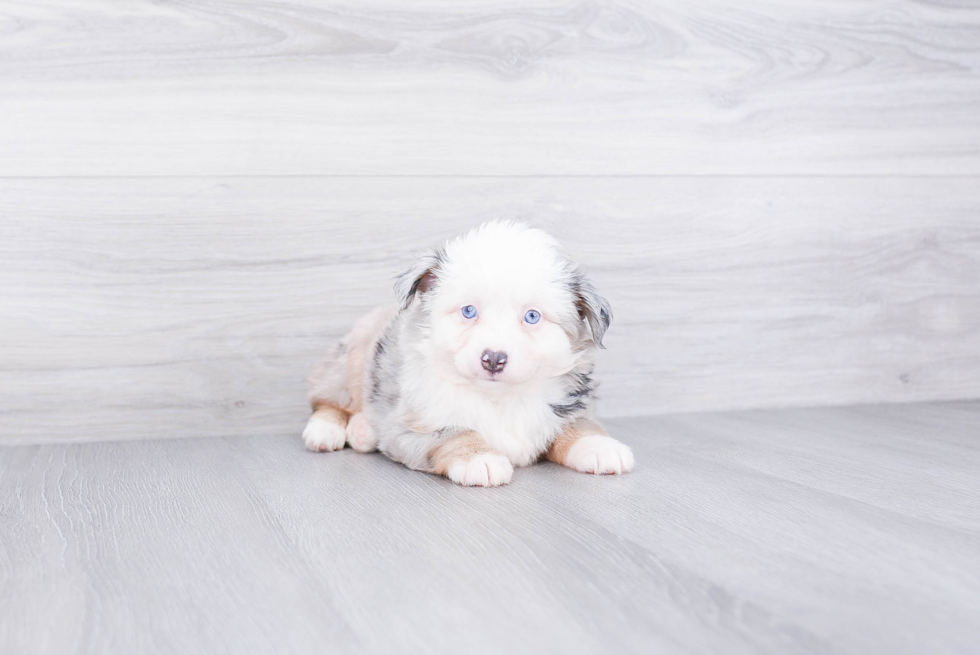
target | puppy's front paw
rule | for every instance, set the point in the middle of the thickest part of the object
(360, 434)
(481, 470)
(599, 454)
(324, 434)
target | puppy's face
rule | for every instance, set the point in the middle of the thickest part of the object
(503, 307)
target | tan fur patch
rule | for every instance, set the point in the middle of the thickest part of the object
(329, 411)
(558, 452)
(357, 354)
(462, 446)
(361, 344)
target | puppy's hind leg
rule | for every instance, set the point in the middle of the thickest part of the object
(360, 434)
(327, 428)
(336, 389)
(330, 399)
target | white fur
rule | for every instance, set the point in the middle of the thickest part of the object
(483, 470)
(599, 454)
(514, 420)
(322, 435)
(503, 270)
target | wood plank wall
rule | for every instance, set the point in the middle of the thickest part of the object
(781, 200)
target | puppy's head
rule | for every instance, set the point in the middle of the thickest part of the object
(501, 305)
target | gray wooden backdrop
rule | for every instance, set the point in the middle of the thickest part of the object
(781, 200)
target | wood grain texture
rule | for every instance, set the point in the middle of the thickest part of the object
(489, 88)
(195, 307)
(844, 531)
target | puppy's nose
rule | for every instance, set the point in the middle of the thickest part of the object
(493, 360)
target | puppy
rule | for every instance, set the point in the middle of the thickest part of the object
(484, 364)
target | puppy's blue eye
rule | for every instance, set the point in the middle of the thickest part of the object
(469, 311)
(532, 316)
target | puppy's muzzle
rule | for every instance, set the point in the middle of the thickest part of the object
(493, 360)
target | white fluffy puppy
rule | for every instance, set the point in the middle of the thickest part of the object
(484, 364)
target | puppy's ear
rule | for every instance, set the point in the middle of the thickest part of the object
(418, 279)
(592, 307)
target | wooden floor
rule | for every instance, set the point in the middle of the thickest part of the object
(846, 530)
